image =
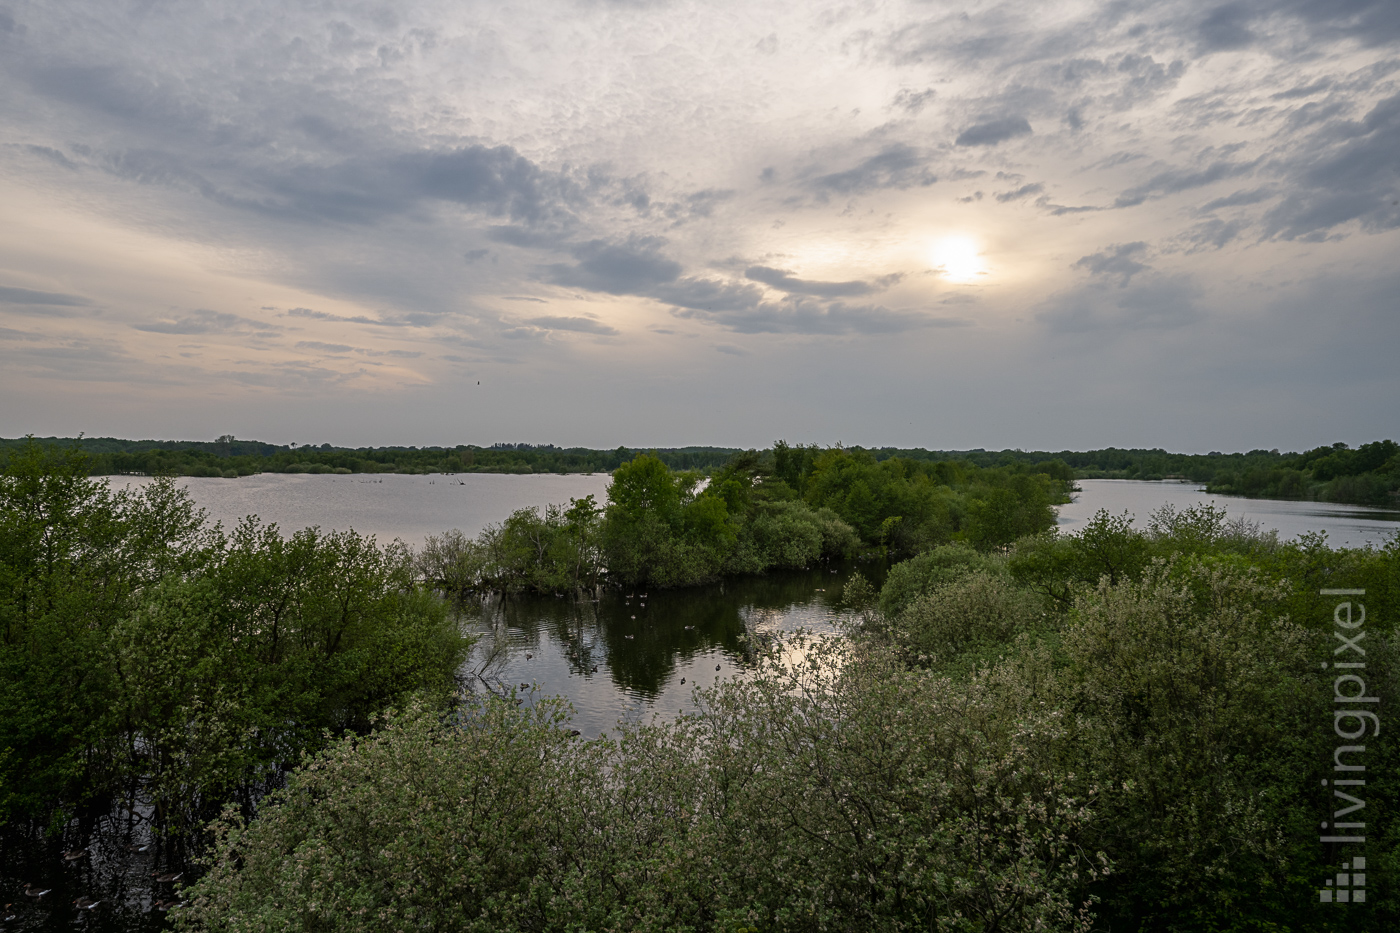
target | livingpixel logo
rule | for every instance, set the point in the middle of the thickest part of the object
(1354, 718)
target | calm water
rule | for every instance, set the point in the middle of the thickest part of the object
(622, 658)
(632, 655)
(385, 505)
(1345, 525)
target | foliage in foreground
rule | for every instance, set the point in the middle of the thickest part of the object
(1185, 660)
(1120, 730)
(816, 795)
(150, 660)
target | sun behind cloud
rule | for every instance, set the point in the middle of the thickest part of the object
(958, 258)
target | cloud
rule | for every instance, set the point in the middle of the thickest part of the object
(1213, 234)
(50, 154)
(203, 321)
(1348, 173)
(1174, 181)
(817, 318)
(582, 325)
(1024, 191)
(994, 131)
(355, 319)
(782, 280)
(710, 295)
(28, 296)
(1117, 260)
(1226, 27)
(1304, 90)
(1241, 198)
(913, 101)
(632, 268)
(1154, 303)
(897, 165)
(323, 347)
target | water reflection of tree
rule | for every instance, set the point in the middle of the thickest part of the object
(643, 639)
(485, 617)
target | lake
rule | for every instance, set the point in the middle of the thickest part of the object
(1345, 525)
(390, 505)
(628, 656)
(651, 653)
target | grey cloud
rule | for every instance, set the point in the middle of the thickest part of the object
(1213, 234)
(710, 295)
(323, 347)
(1304, 90)
(731, 349)
(913, 101)
(1226, 27)
(782, 280)
(817, 318)
(897, 166)
(203, 321)
(1156, 302)
(1024, 191)
(355, 319)
(526, 238)
(523, 298)
(1147, 76)
(49, 154)
(495, 181)
(1243, 23)
(994, 131)
(633, 268)
(28, 296)
(1117, 260)
(1372, 22)
(396, 354)
(1239, 199)
(581, 325)
(1177, 180)
(1058, 210)
(698, 204)
(1350, 173)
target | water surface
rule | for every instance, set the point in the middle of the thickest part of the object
(1345, 525)
(385, 505)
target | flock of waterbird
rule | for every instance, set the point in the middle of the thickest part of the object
(37, 895)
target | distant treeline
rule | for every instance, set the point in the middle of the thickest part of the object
(1366, 475)
(229, 457)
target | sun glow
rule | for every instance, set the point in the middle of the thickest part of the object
(958, 259)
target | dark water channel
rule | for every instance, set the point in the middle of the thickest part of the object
(635, 654)
(629, 655)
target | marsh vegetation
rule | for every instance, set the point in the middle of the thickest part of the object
(1018, 730)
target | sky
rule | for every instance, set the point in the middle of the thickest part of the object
(1061, 225)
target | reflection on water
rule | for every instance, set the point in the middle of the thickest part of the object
(633, 654)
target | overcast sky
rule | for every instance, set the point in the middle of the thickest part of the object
(946, 225)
